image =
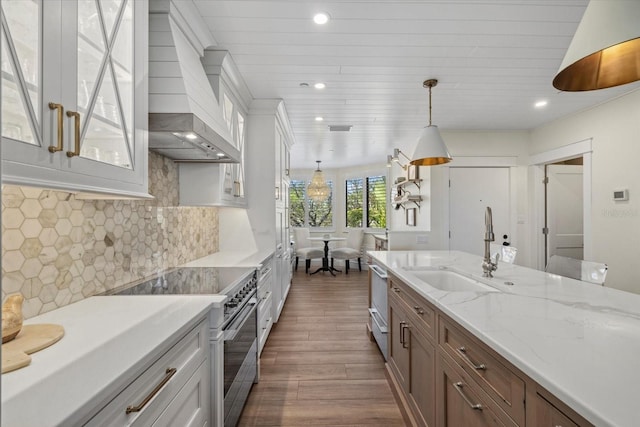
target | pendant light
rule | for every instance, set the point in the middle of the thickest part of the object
(605, 50)
(430, 149)
(318, 190)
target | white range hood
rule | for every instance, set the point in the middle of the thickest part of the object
(185, 120)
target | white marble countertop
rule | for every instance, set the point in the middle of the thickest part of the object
(578, 340)
(232, 259)
(107, 339)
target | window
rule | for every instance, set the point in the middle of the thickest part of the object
(305, 212)
(354, 203)
(366, 202)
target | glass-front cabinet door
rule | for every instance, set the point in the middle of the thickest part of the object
(21, 72)
(104, 91)
(74, 105)
(233, 177)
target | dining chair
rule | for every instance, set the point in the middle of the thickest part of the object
(304, 249)
(507, 253)
(587, 271)
(351, 250)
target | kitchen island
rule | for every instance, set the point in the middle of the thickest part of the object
(579, 341)
(111, 343)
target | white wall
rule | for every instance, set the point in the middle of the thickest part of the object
(615, 131)
(484, 148)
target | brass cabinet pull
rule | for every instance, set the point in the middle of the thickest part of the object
(168, 374)
(60, 108)
(474, 406)
(401, 332)
(403, 327)
(76, 129)
(463, 352)
(418, 309)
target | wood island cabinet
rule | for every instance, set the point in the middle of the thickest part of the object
(412, 358)
(463, 403)
(444, 376)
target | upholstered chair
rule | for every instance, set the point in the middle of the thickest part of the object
(587, 271)
(351, 250)
(507, 253)
(304, 249)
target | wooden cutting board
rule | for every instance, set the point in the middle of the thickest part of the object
(32, 338)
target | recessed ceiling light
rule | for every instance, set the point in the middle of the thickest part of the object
(319, 85)
(221, 155)
(321, 18)
(191, 136)
(540, 104)
(319, 119)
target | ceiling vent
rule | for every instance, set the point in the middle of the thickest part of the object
(340, 128)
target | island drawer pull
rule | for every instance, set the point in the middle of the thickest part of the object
(463, 352)
(418, 309)
(168, 374)
(401, 334)
(474, 406)
(396, 289)
(404, 339)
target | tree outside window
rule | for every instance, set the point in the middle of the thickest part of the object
(366, 202)
(305, 212)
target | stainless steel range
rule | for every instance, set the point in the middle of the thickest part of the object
(240, 325)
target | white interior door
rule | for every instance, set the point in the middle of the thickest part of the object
(471, 190)
(565, 211)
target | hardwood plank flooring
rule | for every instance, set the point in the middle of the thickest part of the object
(318, 366)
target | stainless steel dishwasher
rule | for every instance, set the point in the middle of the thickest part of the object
(378, 309)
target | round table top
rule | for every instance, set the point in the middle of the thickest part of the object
(327, 239)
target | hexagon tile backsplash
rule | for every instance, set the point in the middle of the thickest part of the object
(57, 249)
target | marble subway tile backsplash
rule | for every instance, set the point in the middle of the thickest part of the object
(58, 249)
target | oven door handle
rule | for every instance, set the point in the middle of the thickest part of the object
(231, 332)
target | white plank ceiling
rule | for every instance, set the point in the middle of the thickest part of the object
(493, 58)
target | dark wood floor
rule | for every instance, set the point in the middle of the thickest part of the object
(318, 366)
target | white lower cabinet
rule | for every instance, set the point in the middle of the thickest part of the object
(265, 321)
(175, 390)
(190, 408)
(265, 303)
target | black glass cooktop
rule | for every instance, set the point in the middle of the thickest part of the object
(191, 280)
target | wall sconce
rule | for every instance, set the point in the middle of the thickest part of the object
(396, 158)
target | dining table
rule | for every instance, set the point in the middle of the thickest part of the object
(325, 259)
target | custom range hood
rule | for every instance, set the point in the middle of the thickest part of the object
(185, 120)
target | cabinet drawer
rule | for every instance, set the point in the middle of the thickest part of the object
(185, 357)
(463, 403)
(488, 371)
(265, 321)
(419, 309)
(190, 408)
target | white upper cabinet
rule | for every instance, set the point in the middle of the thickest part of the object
(74, 86)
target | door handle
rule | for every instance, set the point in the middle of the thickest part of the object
(76, 133)
(60, 109)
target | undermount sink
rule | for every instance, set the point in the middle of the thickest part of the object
(450, 281)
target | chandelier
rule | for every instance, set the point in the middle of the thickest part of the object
(318, 190)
